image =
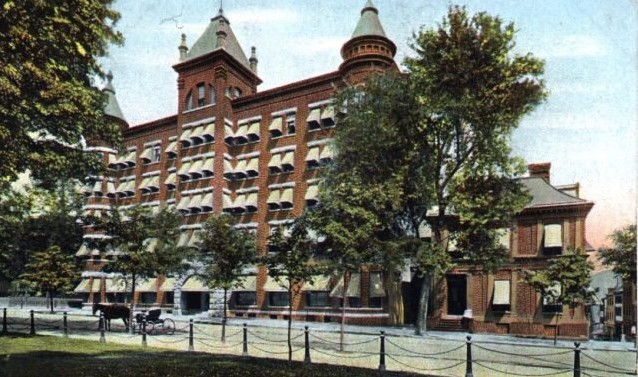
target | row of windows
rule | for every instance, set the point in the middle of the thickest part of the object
(197, 98)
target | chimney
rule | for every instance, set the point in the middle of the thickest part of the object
(183, 48)
(253, 60)
(540, 170)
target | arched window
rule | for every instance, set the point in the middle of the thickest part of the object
(189, 101)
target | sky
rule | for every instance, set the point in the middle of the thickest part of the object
(587, 128)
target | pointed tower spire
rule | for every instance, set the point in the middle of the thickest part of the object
(112, 107)
(369, 47)
(221, 33)
(183, 48)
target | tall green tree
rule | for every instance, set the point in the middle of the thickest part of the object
(441, 152)
(224, 252)
(291, 263)
(622, 255)
(51, 271)
(145, 243)
(49, 55)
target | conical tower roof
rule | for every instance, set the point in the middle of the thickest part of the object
(208, 41)
(112, 107)
(369, 23)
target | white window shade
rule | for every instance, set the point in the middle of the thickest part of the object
(376, 285)
(504, 237)
(553, 235)
(501, 292)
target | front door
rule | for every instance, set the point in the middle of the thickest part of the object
(456, 294)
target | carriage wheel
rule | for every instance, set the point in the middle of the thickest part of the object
(169, 326)
(150, 327)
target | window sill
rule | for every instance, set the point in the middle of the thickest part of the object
(198, 108)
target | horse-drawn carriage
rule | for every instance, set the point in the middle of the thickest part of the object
(154, 324)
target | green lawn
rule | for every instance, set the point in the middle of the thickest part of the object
(22, 355)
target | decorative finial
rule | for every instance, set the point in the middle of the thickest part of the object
(253, 59)
(109, 76)
(183, 48)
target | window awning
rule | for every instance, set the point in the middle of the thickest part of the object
(85, 286)
(207, 202)
(194, 284)
(274, 196)
(110, 188)
(275, 160)
(354, 287)
(194, 238)
(183, 203)
(312, 192)
(328, 113)
(249, 284)
(326, 153)
(314, 116)
(196, 167)
(172, 147)
(168, 285)
(117, 285)
(272, 285)
(253, 131)
(154, 182)
(130, 158)
(501, 292)
(227, 201)
(228, 133)
(376, 285)
(97, 186)
(319, 283)
(209, 165)
(83, 251)
(241, 166)
(313, 154)
(197, 133)
(251, 199)
(171, 179)
(288, 159)
(112, 160)
(253, 165)
(144, 183)
(183, 170)
(276, 126)
(147, 285)
(240, 201)
(195, 202)
(186, 134)
(286, 195)
(183, 239)
(553, 235)
(209, 131)
(147, 155)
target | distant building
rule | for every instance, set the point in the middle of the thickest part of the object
(256, 155)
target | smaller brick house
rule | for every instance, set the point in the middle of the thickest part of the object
(502, 302)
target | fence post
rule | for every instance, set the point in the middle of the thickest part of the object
(4, 321)
(468, 358)
(32, 314)
(576, 359)
(102, 324)
(144, 344)
(382, 352)
(245, 350)
(223, 330)
(65, 325)
(191, 347)
(306, 358)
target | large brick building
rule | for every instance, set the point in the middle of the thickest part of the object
(256, 155)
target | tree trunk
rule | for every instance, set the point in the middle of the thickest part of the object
(424, 298)
(344, 301)
(289, 320)
(396, 309)
(130, 314)
(225, 316)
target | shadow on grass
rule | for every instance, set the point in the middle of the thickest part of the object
(135, 361)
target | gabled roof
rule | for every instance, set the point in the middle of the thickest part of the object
(369, 23)
(112, 107)
(207, 42)
(543, 194)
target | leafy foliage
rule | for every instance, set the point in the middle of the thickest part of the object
(145, 244)
(571, 270)
(622, 256)
(48, 103)
(441, 145)
(52, 271)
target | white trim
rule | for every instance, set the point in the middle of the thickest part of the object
(170, 201)
(198, 156)
(97, 237)
(131, 148)
(198, 122)
(247, 190)
(319, 103)
(152, 173)
(319, 142)
(198, 108)
(172, 138)
(96, 206)
(227, 191)
(228, 122)
(228, 157)
(248, 155)
(197, 191)
(171, 170)
(281, 222)
(287, 111)
(152, 143)
(191, 226)
(241, 122)
(281, 185)
(100, 149)
(313, 181)
(151, 204)
(285, 148)
(252, 225)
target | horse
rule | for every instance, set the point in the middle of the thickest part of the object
(111, 311)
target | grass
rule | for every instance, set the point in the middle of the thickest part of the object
(22, 355)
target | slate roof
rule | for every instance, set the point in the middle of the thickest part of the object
(112, 107)
(369, 23)
(543, 194)
(207, 42)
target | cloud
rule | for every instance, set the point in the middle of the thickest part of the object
(574, 46)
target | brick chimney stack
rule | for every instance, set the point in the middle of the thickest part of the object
(540, 170)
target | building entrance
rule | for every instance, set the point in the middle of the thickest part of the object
(456, 294)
